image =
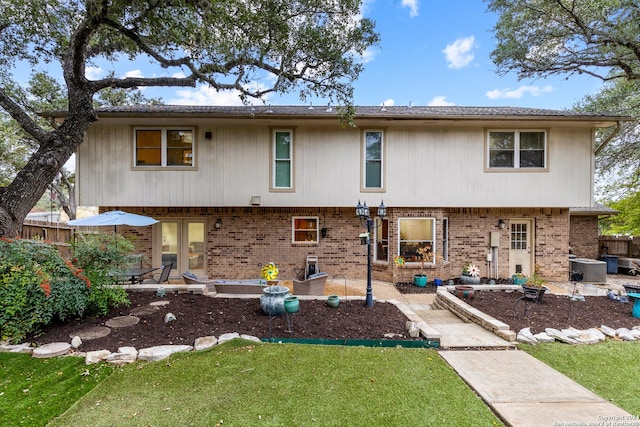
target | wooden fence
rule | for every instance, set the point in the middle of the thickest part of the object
(59, 234)
(620, 245)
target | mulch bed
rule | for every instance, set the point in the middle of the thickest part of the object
(555, 311)
(431, 288)
(198, 316)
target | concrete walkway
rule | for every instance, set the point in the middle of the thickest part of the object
(519, 388)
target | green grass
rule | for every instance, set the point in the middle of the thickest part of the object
(610, 369)
(242, 384)
(33, 391)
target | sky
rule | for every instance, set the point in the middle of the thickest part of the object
(432, 52)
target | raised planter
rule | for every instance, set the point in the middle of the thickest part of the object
(534, 292)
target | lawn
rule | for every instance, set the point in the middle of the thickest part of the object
(245, 384)
(33, 391)
(609, 369)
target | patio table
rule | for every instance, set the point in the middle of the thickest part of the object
(136, 274)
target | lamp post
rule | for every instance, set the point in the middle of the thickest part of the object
(364, 214)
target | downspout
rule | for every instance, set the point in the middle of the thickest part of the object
(612, 135)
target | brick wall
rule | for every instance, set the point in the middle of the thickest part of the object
(251, 237)
(583, 236)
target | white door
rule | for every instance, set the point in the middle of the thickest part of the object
(520, 244)
(183, 242)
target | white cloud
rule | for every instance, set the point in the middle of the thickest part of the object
(519, 92)
(388, 103)
(133, 73)
(369, 54)
(93, 73)
(206, 95)
(179, 75)
(458, 53)
(412, 5)
(438, 101)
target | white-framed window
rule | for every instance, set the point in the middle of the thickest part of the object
(373, 161)
(164, 147)
(304, 229)
(282, 153)
(381, 233)
(416, 233)
(517, 149)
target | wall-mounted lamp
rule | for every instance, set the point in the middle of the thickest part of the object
(218, 224)
(256, 200)
(501, 224)
(208, 135)
(324, 232)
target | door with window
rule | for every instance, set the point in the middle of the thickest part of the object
(520, 246)
(182, 242)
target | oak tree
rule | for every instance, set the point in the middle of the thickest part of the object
(254, 47)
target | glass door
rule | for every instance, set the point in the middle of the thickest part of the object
(183, 243)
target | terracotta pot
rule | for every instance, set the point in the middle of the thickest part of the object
(464, 291)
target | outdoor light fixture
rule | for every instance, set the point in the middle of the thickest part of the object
(362, 211)
(218, 224)
(501, 224)
(208, 135)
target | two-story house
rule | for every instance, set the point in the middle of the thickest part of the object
(234, 188)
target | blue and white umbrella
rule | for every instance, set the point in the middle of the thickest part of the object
(114, 218)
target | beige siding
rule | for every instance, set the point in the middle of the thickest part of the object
(442, 166)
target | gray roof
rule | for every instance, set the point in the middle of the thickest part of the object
(391, 112)
(597, 209)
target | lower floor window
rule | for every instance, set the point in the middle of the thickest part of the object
(417, 236)
(305, 230)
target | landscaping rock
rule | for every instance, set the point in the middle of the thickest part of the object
(560, 336)
(160, 352)
(144, 310)
(544, 337)
(412, 328)
(169, 317)
(625, 334)
(159, 303)
(16, 348)
(203, 343)
(525, 336)
(51, 350)
(95, 356)
(91, 333)
(228, 337)
(123, 356)
(76, 342)
(610, 332)
(590, 336)
(250, 338)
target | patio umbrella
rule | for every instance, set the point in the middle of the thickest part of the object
(114, 218)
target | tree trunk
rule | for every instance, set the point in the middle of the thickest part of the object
(19, 197)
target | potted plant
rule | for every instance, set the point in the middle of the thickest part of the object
(470, 273)
(426, 256)
(534, 287)
(519, 279)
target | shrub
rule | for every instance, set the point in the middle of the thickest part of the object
(103, 257)
(37, 285)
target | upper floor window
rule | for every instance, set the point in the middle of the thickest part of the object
(372, 159)
(305, 230)
(282, 159)
(517, 149)
(164, 147)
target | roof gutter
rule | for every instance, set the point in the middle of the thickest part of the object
(612, 135)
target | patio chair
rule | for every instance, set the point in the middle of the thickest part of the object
(163, 276)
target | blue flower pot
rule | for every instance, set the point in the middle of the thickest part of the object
(420, 280)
